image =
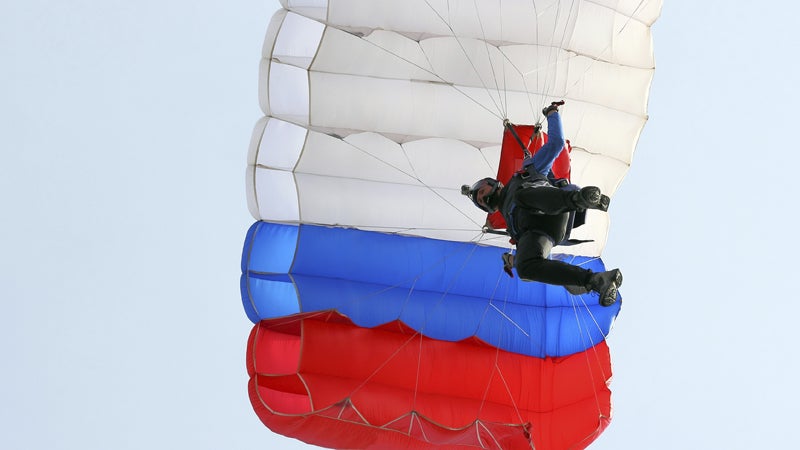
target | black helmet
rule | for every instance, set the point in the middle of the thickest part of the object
(491, 199)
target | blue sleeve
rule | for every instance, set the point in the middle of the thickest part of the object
(543, 160)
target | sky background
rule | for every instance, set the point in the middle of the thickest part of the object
(124, 129)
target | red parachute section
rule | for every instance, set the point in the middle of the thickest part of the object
(512, 155)
(323, 380)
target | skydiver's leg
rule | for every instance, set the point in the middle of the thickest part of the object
(550, 200)
(532, 263)
(543, 160)
(546, 199)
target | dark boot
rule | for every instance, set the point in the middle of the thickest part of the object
(590, 197)
(508, 264)
(576, 290)
(606, 284)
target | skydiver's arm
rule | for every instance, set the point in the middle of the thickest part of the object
(543, 160)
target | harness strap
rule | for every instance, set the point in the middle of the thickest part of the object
(510, 127)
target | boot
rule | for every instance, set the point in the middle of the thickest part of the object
(590, 197)
(606, 284)
(508, 264)
(576, 290)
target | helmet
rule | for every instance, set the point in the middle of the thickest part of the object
(489, 200)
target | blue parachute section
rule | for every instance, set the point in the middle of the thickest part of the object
(445, 290)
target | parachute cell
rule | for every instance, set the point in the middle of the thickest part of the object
(445, 290)
(390, 387)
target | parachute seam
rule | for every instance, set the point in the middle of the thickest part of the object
(503, 106)
(471, 63)
(349, 401)
(497, 370)
(508, 391)
(388, 359)
(419, 360)
(603, 60)
(400, 285)
(538, 48)
(586, 355)
(594, 59)
(249, 292)
(528, 94)
(423, 184)
(630, 16)
(398, 230)
(342, 177)
(554, 53)
(604, 155)
(505, 80)
(443, 81)
(479, 423)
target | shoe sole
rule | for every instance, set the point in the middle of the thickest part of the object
(594, 199)
(610, 296)
(604, 203)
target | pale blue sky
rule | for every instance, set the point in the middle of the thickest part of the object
(124, 137)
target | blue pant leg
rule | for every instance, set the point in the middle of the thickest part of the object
(543, 160)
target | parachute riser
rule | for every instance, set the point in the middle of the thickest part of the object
(536, 130)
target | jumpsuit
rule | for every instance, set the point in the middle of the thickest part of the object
(539, 215)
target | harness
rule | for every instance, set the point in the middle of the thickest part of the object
(524, 179)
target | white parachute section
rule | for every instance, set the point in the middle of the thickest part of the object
(377, 111)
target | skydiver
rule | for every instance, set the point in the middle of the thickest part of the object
(539, 213)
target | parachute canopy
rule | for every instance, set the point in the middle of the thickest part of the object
(366, 256)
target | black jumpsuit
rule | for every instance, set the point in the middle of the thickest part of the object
(539, 216)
